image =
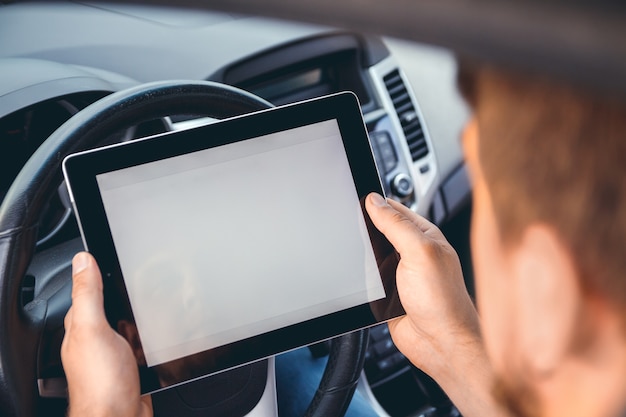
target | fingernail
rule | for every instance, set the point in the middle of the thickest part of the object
(80, 262)
(378, 200)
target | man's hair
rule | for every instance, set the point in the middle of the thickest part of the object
(555, 154)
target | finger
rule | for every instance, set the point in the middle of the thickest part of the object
(87, 298)
(146, 402)
(67, 322)
(428, 228)
(399, 228)
(393, 323)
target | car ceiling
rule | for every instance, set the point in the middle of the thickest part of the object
(578, 40)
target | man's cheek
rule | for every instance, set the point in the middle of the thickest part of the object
(492, 293)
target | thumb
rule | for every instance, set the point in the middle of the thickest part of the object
(87, 298)
(400, 227)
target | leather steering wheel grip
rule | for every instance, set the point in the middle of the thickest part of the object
(21, 328)
(339, 381)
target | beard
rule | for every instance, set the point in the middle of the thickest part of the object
(517, 397)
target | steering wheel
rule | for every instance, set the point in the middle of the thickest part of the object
(22, 335)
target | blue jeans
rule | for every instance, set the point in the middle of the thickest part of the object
(298, 375)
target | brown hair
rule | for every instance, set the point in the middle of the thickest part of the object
(555, 154)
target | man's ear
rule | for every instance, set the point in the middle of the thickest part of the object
(548, 296)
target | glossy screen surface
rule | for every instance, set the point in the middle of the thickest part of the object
(227, 243)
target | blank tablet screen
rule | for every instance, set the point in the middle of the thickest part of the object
(227, 243)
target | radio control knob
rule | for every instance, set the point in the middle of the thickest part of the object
(402, 185)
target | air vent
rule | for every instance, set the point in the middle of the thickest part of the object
(407, 115)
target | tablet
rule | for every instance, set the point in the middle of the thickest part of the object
(231, 242)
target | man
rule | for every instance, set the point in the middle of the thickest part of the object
(548, 232)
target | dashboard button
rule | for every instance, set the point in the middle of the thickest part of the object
(402, 185)
(379, 332)
(384, 348)
(386, 153)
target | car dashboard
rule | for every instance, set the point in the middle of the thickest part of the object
(58, 58)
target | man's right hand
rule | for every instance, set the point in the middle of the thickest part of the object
(440, 333)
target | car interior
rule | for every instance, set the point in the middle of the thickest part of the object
(76, 75)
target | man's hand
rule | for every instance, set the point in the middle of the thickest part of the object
(101, 370)
(440, 332)
(430, 283)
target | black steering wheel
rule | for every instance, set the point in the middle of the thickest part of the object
(22, 335)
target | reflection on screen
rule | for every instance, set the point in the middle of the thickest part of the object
(235, 241)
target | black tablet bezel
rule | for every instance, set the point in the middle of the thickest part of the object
(81, 169)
